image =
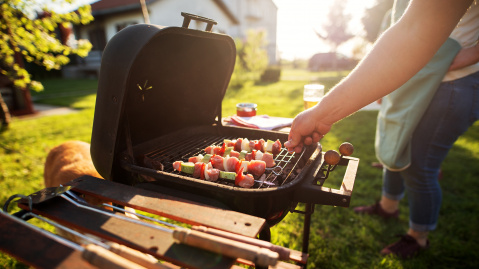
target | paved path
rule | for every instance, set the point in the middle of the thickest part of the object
(47, 110)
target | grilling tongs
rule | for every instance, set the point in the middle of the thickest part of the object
(251, 249)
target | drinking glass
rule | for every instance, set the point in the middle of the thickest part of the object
(312, 94)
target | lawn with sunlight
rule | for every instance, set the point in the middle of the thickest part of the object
(339, 238)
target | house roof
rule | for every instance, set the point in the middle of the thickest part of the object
(227, 11)
(106, 7)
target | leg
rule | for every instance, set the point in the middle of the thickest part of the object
(393, 190)
(392, 193)
(453, 109)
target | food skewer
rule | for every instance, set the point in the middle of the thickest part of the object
(232, 159)
(220, 245)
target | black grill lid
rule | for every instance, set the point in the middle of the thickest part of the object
(155, 80)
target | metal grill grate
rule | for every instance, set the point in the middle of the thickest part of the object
(193, 146)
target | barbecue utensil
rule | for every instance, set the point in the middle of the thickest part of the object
(130, 254)
(224, 246)
(220, 245)
(93, 254)
(284, 253)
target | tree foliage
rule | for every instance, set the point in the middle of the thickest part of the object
(373, 18)
(336, 28)
(251, 58)
(29, 31)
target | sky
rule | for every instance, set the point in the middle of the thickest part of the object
(297, 20)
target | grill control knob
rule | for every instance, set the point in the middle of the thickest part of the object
(346, 149)
(332, 157)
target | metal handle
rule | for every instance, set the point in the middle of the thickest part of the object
(188, 17)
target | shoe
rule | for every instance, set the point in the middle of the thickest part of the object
(406, 247)
(376, 209)
(377, 165)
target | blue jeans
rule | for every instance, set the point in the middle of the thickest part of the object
(453, 109)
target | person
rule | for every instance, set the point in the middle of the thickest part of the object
(401, 52)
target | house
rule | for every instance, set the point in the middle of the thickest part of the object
(234, 18)
(330, 61)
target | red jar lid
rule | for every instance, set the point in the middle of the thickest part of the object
(246, 109)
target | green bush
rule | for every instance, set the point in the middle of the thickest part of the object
(251, 59)
(271, 74)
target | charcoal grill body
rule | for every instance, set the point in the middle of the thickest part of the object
(271, 203)
(153, 81)
(161, 88)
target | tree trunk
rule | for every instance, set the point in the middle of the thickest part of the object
(4, 114)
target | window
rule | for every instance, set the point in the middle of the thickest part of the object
(121, 26)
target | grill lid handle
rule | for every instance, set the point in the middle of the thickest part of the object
(188, 17)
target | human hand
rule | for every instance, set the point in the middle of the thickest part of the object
(465, 57)
(305, 130)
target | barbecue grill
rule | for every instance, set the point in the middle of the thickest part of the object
(159, 101)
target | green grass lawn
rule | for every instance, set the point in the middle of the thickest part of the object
(339, 238)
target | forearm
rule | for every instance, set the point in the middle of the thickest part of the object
(399, 54)
(396, 57)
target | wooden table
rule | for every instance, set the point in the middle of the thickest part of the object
(226, 122)
(24, 242)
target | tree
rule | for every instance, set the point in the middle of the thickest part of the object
(336, 28)
(255, 56)
(29, 31)
(251, 58)
(373, 18)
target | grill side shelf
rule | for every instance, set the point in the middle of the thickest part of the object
(311, 192)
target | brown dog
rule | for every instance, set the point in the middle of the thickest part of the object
(68, 161)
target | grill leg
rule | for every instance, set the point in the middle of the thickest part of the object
(265, 233)
(306, 226)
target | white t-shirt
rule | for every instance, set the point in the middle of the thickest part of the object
(467, 34)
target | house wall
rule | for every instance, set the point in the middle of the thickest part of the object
(168, 13)
(252, 14)
(256, 15)
(113, 23)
